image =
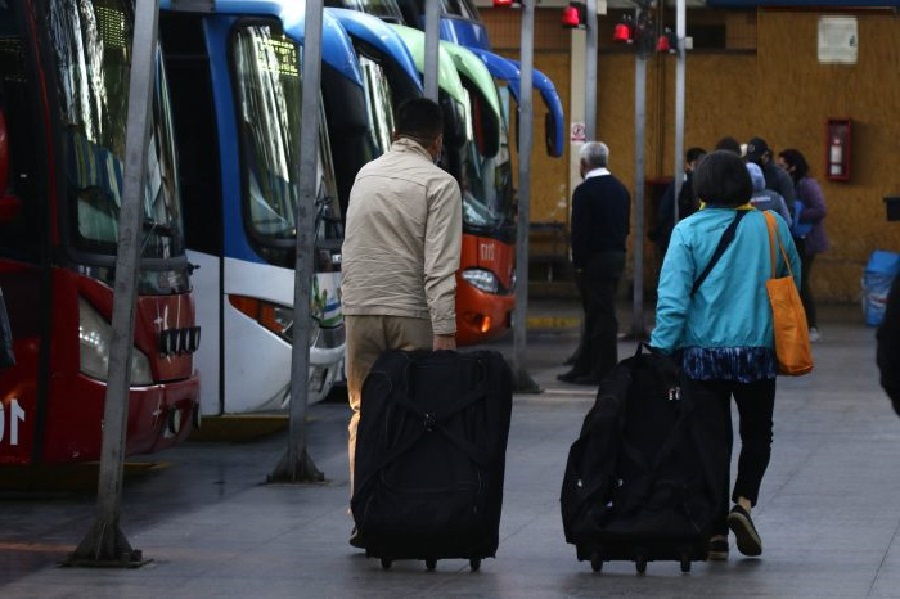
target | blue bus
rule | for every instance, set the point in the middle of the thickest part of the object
(461, 25)
(365, 124)
(236, 81)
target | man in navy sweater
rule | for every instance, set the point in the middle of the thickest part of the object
(601, 208)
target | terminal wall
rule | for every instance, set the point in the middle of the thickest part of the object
(768, 83)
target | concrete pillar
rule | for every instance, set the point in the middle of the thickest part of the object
(576, 108)
(577, 97)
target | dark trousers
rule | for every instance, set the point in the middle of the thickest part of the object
(598, 283)
(806, 296)
(755, 403)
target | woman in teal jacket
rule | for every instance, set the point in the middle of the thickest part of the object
(723, 329)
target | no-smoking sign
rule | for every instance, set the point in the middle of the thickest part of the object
(578, 132)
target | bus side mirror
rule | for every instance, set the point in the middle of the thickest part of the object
(10, 205)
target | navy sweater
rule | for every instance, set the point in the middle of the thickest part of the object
(601, 216)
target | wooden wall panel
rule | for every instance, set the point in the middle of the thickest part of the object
(505, 27)
(779, 92)
(549, 180)
(808, 93)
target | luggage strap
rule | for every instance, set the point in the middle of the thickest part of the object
(432, 421)
(664, 452)
(724, 242)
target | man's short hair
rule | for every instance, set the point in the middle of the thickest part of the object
(721, 179)
(420, 119)
(730, 144)
(595, 154)
(695, 154)
(756, 149)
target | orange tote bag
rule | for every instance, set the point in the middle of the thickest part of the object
(792, 347)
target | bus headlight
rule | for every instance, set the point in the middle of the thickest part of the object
(93, 341)
(276, 318)
(482, 279)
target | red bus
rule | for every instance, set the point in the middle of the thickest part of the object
(64, 84)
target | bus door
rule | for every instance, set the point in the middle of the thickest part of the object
(24, 237)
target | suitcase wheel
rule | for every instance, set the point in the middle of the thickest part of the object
(685, 560)
(430, 564)
(386, 563)
(640, 563)
(596, 562)
(475, 564)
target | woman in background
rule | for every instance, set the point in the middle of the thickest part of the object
(816, 241)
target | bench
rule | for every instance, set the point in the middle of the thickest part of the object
(548, 245)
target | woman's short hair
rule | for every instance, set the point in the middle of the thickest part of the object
(721, 179)
(795, 158)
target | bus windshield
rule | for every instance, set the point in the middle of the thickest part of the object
(268, 80)
(486, 182)
(92, 45)
(378, 100)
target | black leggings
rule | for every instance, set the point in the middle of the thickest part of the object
(756, 403)
(806, 295)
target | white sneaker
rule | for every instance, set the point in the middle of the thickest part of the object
(814, 335)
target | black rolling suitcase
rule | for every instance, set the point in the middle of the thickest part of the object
(643, 482)
(430, 456)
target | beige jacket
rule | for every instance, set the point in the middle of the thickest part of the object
(403, 239)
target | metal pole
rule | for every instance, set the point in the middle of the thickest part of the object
(640, 84)
(679, 100)
(105, 543)
(432, 40)
(523, 381)
(296, 465)
(590, 72)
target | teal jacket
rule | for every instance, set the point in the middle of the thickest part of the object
(731, 308)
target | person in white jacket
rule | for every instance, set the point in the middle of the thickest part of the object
(401, 252)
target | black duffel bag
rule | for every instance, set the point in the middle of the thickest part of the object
(644, 480)
(431, 453)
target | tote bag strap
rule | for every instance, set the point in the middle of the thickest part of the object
(773, 235)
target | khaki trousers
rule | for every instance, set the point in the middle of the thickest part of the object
(367, 337)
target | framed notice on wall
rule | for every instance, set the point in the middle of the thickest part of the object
(838, 40)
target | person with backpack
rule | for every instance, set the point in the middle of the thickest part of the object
(811, 216)
(766, 199)
(776, 177)
(713, 311)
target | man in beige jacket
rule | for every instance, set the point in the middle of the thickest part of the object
(401, 251)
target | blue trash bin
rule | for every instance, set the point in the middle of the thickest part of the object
(880, 272)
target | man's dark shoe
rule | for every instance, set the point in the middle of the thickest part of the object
(718, 550)
(570, 361)
(748, 541)
(575, 378)
(568, 377)
(356, 539)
